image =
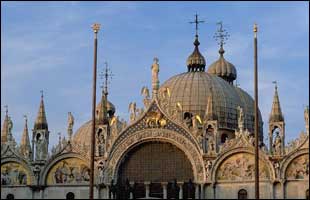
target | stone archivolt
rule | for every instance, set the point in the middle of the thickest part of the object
(298, 168)
(156, 134)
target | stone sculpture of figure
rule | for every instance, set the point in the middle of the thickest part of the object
(101, 175)
(277, 144)
(211, 145)
(208, 168)
(132, 110)
(195, 123)
(155, 70)
(124, 124)
(70, 120)
(146, 94)
(188, 121)
(240, 118)
(277, 168)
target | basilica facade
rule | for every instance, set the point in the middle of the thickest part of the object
(194, 133)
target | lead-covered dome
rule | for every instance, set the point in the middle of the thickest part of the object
(192, 89)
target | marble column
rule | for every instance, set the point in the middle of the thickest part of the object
(180, 184)
(147, 189)
(196, 191)
(164, 184)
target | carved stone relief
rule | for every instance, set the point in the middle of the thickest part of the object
(298, 168)
(240, 167)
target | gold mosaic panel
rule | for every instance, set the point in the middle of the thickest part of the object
(13, 173)
(69, 171)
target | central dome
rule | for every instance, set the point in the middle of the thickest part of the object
(191, 90)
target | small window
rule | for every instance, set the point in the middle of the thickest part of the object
(224, 138)
(242, 194)
(10, 196)
(70, 195)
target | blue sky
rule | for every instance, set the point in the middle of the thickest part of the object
(49, 46)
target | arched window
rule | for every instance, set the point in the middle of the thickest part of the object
(224, 138)
(70, 195)
(242, 194)
(10, 196)
(307, 194)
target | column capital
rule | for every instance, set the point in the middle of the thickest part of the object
(147, 182)
(164, 183)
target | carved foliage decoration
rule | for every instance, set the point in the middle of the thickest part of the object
(298, 168)
(13, 173)
(240, 167)
(69, 171)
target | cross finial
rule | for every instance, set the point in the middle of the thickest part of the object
(41, 91)
(25, 117)
(276, 84)
(221, 35)
(196, 22)
(6, 110)
(156, 60)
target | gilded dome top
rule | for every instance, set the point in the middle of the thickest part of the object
(223, 68)
(191, 90)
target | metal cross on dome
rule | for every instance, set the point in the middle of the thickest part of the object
(196, 22)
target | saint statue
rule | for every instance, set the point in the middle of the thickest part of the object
(132, 110)
(277, 144)
(70, 120)
(240, 118)
(155, 70)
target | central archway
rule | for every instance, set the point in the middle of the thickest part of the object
(155, 161)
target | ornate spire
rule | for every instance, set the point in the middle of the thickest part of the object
(25, 147)
(41, 122)
(5, 127)
(210, 112)
(196, 62)
(103, 110)
(276, 113)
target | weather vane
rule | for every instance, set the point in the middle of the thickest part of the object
(196, 22)
(106, 74)
(221, 35)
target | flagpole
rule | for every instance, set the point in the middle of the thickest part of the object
(96, 28)
(256, 115)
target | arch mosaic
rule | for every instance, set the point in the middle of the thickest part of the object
(69, 168)
(158, 135)
(15, 173)
(238, 165)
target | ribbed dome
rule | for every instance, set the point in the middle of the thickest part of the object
(223, 68)
(192, 89)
